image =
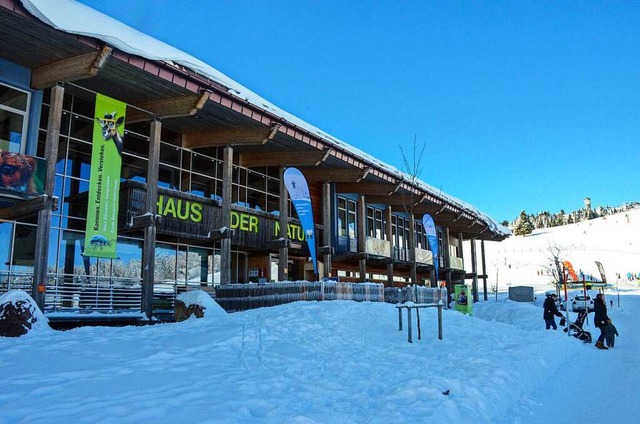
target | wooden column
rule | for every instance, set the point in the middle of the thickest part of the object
(447, 262)
(474, 269)
(362, 238)
(44, 215)
(283, 219)
(484, 270)
(327, 227)
(461, 253)
(389, 232)
(412, 249)
(149, 248)
(225, 244)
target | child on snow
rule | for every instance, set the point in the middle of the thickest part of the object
(610, 333)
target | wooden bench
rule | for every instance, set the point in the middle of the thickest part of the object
(417, 306)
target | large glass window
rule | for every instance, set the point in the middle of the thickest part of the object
(375, 223)
(351, 219)
(14, 107)
(342, 217)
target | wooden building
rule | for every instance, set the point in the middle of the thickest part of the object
(201, 197)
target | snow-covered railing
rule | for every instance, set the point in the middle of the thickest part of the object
(417, 294)
(238, 297)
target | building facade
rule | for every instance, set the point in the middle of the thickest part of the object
(201, 199)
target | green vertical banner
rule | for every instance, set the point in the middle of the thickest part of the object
(104, 185)
(463, 299)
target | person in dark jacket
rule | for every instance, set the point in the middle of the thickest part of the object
(600, 319)
(550, 312)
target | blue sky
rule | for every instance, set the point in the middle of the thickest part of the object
(520, 105)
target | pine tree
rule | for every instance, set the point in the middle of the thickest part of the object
(523, 225)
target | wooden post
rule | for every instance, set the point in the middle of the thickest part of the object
(474, 269)
(149, 247)
(389, 232)
(484, 270)
(283, 219)
(225, 244)
(327, 228)
(362, 236)
(44, 215)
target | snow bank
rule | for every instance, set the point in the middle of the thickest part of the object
(203, 299)
(15, 296)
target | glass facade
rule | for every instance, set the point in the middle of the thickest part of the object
(179, 262)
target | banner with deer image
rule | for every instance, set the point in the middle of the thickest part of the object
(104, 185)
(299, 193)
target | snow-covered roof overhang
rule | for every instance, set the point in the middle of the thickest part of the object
(75, 18)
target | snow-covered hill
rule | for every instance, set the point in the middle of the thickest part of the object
(526, 260)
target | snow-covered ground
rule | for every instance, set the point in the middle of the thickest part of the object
(325, 362)
(346, 362)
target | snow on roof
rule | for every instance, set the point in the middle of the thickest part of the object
(76, 18)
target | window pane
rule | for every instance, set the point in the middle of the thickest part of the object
(6, 234)
(203, 165)
(81, 128)
(165, 269)
(10, 131)
(13, 98)
(24, 250)
(129, 262)
(169, 155)
(199, 265)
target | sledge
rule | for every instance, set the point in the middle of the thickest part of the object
(575, 328)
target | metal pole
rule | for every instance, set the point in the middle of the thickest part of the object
(497, 269)
(409, 330)
(440, 322)
(418, 321)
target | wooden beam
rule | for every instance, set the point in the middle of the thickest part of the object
(24, 208)
(143, 221)
(335, 175)
(300, 158)
(230, 137)
(392, 199)
(223, 233)
(71, 69)
(366, 188)
(172, 107)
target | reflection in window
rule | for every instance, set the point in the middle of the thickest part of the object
(6, 234)
(14, 105)
(129, 261)
(165, 263)
(24, 249)
(200, 265)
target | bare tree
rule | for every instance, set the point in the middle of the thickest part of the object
(411, 167)
(555, 256)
